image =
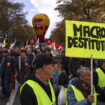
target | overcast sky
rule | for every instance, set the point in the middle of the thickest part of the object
(34, 7)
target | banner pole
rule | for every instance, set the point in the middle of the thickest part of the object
(91, 74)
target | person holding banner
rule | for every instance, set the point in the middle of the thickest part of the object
(99, 83)
(79, 89)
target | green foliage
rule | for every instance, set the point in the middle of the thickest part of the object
(13, 25)
(59, 32)
(79, 10)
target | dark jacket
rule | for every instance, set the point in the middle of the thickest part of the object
(87, 63)
(30, 58)
(63, 79)
(0, 56)
(6, 66)
(22, 63)
(0, 61)
(28, 97)
(73, 66)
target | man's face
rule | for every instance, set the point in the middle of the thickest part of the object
(29, 51)
(22, 53)
(48, 53)
(86, 77)
(49, 70)
(56, 67)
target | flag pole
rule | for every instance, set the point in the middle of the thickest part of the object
(92, 74)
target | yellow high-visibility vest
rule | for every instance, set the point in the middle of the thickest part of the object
(41, 95)
(79, 95)
(65, 89)
(101, 77)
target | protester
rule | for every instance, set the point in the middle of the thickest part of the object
(37, 90)
(64, 61)
(73, 66)
(6, 73)
(99, 83)
(0, 59)
(55, 80)
(30, 59)
(30, 56)
(48, 52)
(14, 64)
(16, 55)
(22, 67)
(63, 80)
(39, 51)
(63, 84)
(79, 89)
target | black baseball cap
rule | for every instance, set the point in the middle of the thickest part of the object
(44, 59)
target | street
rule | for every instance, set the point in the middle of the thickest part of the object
(14, 98)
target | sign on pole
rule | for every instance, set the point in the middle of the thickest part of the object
(84, 39)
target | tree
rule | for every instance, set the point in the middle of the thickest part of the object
(14, 26)
(25, 34)
(81, 10)
(85, 10)
(59, 32)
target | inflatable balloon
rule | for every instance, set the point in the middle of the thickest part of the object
(40, 24)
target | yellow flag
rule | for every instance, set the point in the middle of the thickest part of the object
(4, 44)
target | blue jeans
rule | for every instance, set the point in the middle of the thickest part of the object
(5, 82)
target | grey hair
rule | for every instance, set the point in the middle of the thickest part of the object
(81, 70)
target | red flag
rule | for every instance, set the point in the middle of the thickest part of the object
(60, 46)
(48, 41)
(32, 41)
(53, 44)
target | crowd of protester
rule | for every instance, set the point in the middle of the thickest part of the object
(18, 64)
